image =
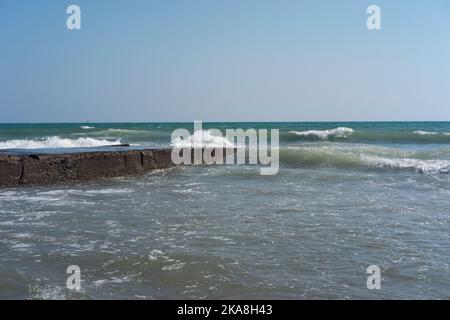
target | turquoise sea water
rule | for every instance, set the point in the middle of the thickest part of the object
(348, 195)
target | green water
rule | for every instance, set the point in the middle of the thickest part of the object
(347, 195)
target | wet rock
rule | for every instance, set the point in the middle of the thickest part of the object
(47, 169)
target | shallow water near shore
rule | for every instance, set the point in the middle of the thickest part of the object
(342, 200)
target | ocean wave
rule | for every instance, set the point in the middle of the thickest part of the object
(115, 132)
(123, 131)
(86, 127)
(425, 133)
(56, 142)
(365, 136)
(430, 133)
(422, 166)
(135, 135)
(364, 156)
(341, 132)
(203, 138)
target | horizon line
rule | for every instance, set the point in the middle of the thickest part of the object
(192, 121)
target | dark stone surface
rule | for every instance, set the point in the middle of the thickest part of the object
(46, 169)
(10, 170)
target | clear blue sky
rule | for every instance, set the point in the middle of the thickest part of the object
(224, 60)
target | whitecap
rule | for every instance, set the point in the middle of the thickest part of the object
(419, 165)
(341, 132)
(425, 133)
(202, 138)
(55, 142)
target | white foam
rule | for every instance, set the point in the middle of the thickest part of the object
(425, 133)
(108, 191)
(174, 266)
(21, 246)
(426, 166)
(47, 293)
(87, 127)
(430, 133)
(100, 282)
(202, 138)
(367, 155)
(116, 130)
(341, 132)
(56, 142)
(155, 254)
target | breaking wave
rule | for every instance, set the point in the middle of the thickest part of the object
(425, 133)
(56, 142)
(117, 130)
(422, 166)
(203, 138)
(345, 133)
(364, 156)
(431, 133)
(86, 127)
(341, 132)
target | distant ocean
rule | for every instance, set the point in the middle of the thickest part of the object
(348, 195)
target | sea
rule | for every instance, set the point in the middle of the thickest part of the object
(348, 195)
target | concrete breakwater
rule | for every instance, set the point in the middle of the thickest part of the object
(45, 169)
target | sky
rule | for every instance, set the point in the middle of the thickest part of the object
(224, 60)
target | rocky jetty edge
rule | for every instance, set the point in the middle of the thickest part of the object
(21, 169)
